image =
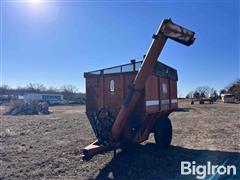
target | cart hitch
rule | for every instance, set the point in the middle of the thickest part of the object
(97, 148)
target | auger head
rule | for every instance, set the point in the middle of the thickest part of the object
(177, 33)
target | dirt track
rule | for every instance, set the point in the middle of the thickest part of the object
(50, 146)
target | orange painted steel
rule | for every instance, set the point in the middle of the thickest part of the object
(140, 90)
(147, 67)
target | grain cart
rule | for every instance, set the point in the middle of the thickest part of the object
(126, 103)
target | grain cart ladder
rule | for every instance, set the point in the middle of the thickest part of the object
(166, 30)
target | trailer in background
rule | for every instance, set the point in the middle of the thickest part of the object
(51, 99)
(227, 98)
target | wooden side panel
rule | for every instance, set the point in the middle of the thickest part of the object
(109, 91)
(164, 94)
(93, 93)
(152, 94)
(128, 79)
(113, 93)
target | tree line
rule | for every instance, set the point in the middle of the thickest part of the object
(202, 92)
(206, 91)
(69, 92)
(232, 88)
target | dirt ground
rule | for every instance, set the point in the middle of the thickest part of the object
(50, 146)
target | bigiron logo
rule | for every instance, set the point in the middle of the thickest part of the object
(202, 171)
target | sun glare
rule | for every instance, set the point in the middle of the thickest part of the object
(36, 4)
(35, 1)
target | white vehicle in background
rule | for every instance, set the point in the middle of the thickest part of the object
(227, 98)
(51, 99)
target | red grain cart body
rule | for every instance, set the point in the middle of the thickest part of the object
(124, 104)
(107, 88)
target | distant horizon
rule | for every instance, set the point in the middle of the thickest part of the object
(59, 87)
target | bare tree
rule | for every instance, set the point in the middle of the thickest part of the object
(190, 94)
(4, 89)
(204, 91)
(69, 89)
(52, 89)
(36, 87)
(196, 95)
(69, 92)
(223, 91)
(234, 88)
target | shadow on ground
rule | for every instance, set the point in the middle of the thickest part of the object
(182, 109)
(148, 162)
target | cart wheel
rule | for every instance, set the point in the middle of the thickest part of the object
(163, 132)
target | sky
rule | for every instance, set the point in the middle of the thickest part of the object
(55, 42)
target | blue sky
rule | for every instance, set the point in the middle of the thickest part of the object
(54, 43)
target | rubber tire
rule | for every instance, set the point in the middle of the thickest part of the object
(163, 132)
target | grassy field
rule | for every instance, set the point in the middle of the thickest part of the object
(50, 146)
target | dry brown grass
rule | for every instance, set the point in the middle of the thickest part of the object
(50, 146)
